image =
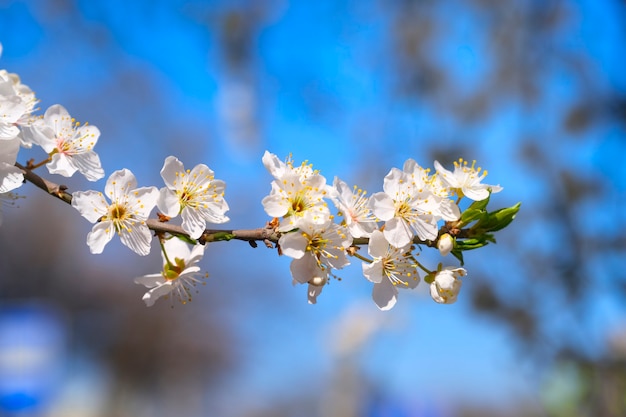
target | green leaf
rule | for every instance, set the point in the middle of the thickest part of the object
(480, 205)
(504, 217)
(458, 255)
(496, 220)
(475, 211)
(470, 215)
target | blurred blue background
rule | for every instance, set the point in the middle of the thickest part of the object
(535, 91)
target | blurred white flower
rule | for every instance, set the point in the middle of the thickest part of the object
(11, 177)
(69, 144)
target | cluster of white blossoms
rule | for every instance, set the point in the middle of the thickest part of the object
(406, 214)
(415, 209)
(123, 208)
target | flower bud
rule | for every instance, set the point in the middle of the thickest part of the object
(445, 244)
(317, 281)
(446, 286)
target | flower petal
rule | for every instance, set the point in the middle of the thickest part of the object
(382, 206)
(171, 167)
(168, 202)
(119, 184)
(373, 271)
(398, 233)
(150, 280)
(193, 223)
(385, 295)
(293, 244)
(157, 292)
(60, 164)
(90, 204)
(137, 237)
(305, 268)
(100, 235)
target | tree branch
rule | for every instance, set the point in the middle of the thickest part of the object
(268, 235)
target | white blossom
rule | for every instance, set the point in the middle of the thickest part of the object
(17, 102)
(391, 268)
(297, 193)
(126, 215)
(69, 144)
(445, 244)
(180, 272)
(407, 207)
(316, 250)
(354, 206)
(196, 195)
(11, 177)
(446, 286)
(466, 180)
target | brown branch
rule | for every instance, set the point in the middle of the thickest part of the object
(55, 190)
(268, 235)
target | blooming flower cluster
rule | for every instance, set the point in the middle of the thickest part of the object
(406, 214)
(123, 209)
(319, 225)
(194, 194)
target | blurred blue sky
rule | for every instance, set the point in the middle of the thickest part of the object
(314, 81)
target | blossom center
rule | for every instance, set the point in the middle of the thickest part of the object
(299, 205)
(171, 271)
(117, 212)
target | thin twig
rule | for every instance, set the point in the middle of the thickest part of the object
(264, 234)
(267, 235)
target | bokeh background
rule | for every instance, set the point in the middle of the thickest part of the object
(535, 91)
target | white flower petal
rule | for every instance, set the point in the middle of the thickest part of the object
(120, 183)
(476, 193)
(398, 233)
(193, 223)
(305, 268)
(90, 204)
(150, 280)
(137, 238)
(449, 210)
(171, 167)
(382, 206)
(11, 177)
(157, 292)
(100, 235)
(385, 295)
(274, 165)
(142, 200)
(88, 164)
(293, 244)
(168, 202)
(60, 164)
(426, 228)
(378, 245)
(373, 271)
(59, 118)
